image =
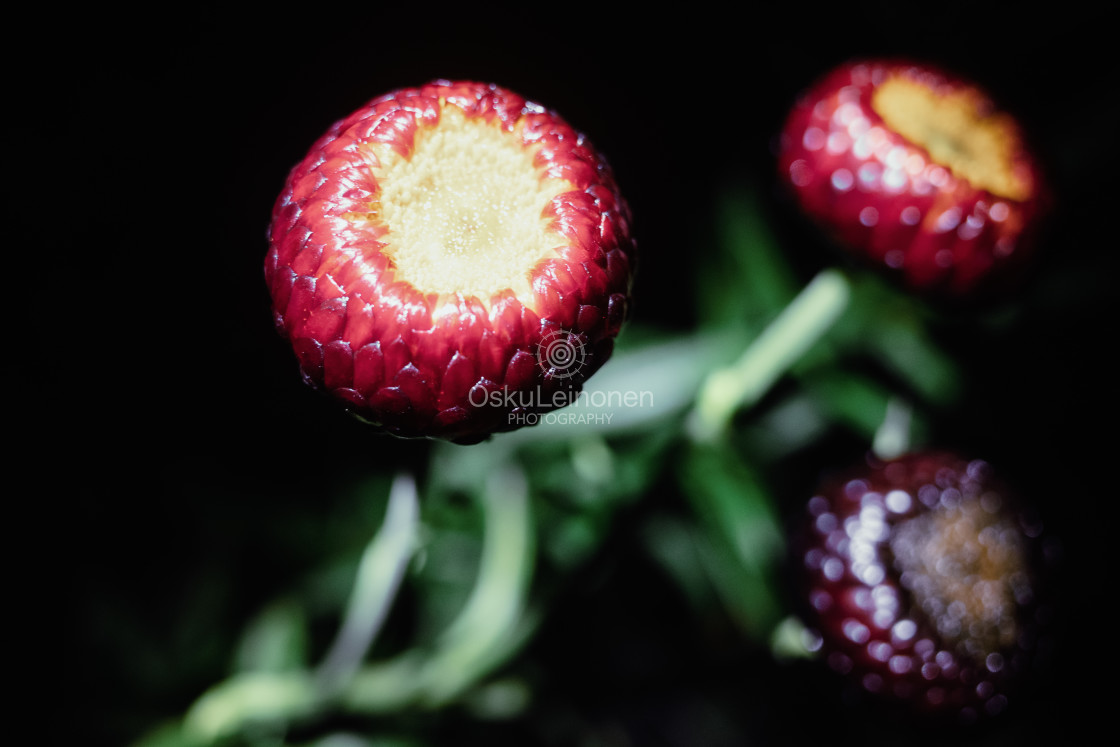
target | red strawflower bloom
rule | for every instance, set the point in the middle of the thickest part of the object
(450, 258)
(923, 581)
(917, 172)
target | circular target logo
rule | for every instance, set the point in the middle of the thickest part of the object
(561, 353)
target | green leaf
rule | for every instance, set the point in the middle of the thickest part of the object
(906, 350)
(170, 734)
(790, 424)
(275, 640)
(853, 400)
(891, 328)
(743, 539)
(797, 329)
(671, 542)
(746, 280)
(251, 700)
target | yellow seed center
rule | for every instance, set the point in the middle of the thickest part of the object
(464, 210)
(975, 145)
(966, 568)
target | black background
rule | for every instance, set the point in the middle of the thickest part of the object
(170, 425)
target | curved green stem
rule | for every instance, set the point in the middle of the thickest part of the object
(379, 577)
(490, 625)
(804, 321)
(494, 607)
(283, 696)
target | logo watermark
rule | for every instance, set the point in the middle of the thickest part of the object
(571, 408)
(561, 418)
(562, 354)
(530, 399)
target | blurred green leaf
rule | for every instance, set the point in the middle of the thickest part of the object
(906, 350)
(745, 281)
(499, 700)
(891, 328)
(252, 700)
(346, 739)
(446, 568)
(275, 640)
(792, 423)
(385, 687)
(570, 538)
(883, 418)
(742, 542)
(856, 401)
(170, 734)
(671, 542)
(796, 330)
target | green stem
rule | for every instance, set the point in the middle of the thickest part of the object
(892, 439)
(281, 697)
(473, 642)
(379, 577)
(804, 321)
(490, 626)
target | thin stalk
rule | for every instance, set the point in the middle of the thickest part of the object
(379, 577)
(800, 324)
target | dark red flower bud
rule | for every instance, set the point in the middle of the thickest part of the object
(922, 582)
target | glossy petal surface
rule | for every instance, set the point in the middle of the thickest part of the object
(921, 580)
(429, 361)
(949, 208)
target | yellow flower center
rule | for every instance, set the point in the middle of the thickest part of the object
(465, 211)
(975, 145)
(966, 568)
